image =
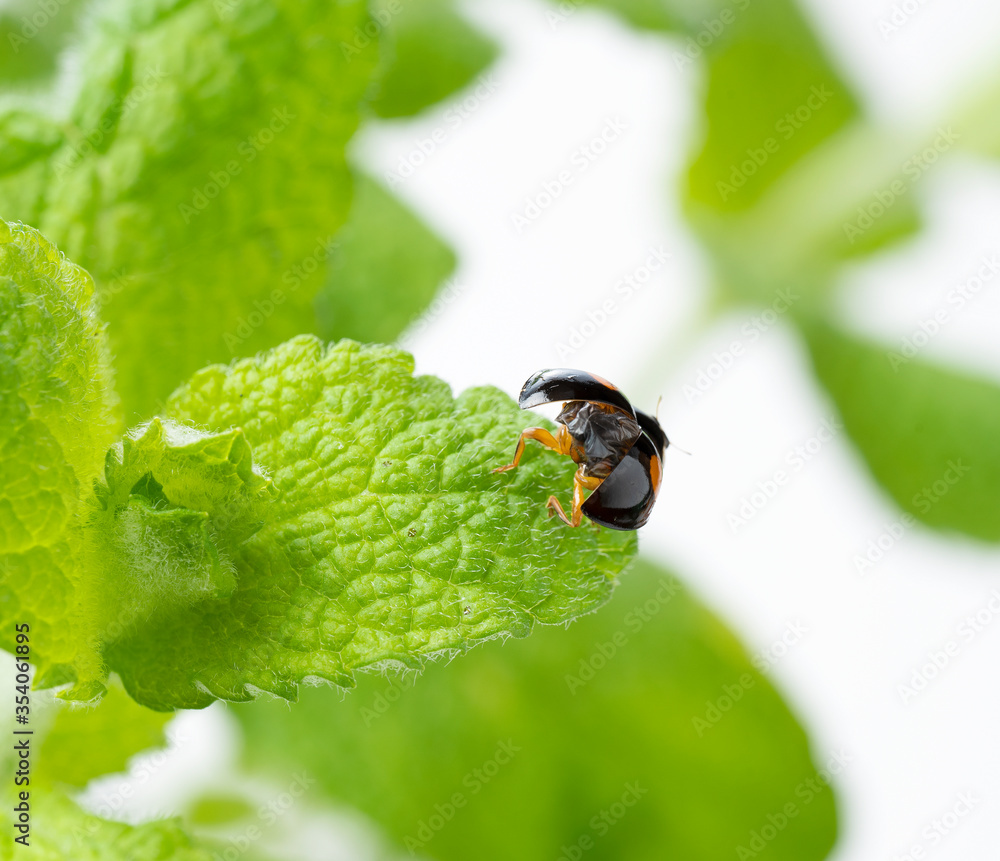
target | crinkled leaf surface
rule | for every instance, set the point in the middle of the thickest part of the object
(174, 506)
(202, 158)
(55, 423)
(929, 434)
(629, 680)
(384, 270)
(388, 540)
(428, 51)
(86, 742)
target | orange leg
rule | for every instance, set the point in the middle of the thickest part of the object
(559, 444)
(581, 483)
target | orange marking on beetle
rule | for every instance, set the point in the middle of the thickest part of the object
(597, 444)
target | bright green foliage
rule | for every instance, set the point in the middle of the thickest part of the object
(929, 434)
(219, 809)
(389, 542)
(202, 159)
(87, 742)
(385, 269)
(778, 174)
(55, 425)
(764, 67)
(427, 53)
(174, 508)
(364, 527)
(61, 831)
(633, 682)
(386, 265)
(31, 36)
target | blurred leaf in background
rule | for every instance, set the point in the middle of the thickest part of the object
(428, 52)
(386, 265)
(646, 714)
(85, 742)
(385, 268)
(71, 746)
(33, 36)
(60, 831)
(929, 432)
(789, 182)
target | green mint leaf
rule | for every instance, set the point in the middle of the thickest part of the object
(388, 540)
(766, 71)
(428, 52)
(56, 420)
(641, 681)
(384, 270)
(190, 190)
(928, 433)
(84, 743)
(175, 505)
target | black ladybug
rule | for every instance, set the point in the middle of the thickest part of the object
(619, 449)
